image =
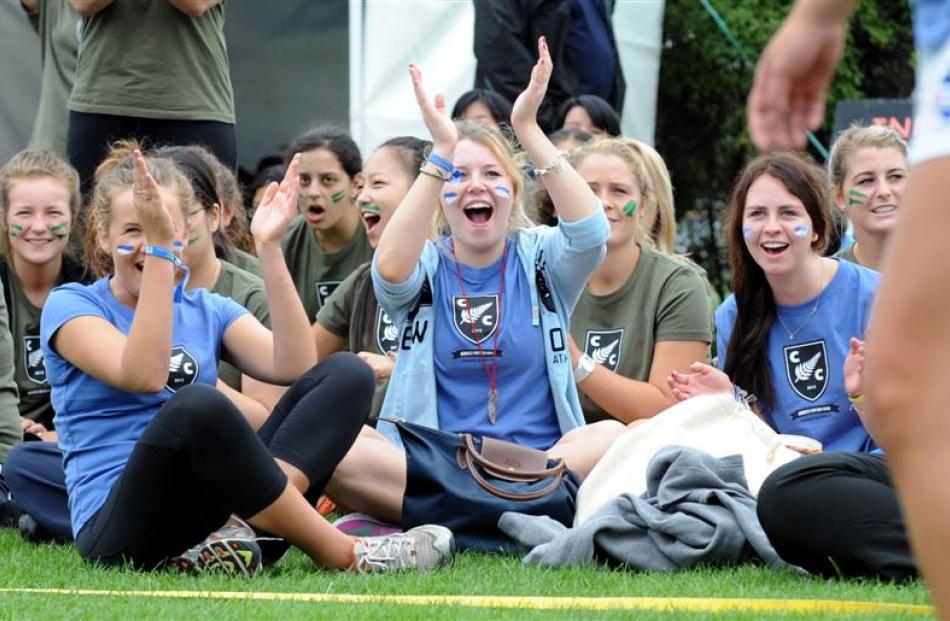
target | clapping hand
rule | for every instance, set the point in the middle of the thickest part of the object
(278, 206)
(434, 115)
(854, 369)
(702, 380)
(525, 109)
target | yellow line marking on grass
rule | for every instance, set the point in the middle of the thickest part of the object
(662, 604)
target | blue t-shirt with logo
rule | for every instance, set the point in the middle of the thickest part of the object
(806, 371)
(931, 24)
(99, 424)
(526, 413)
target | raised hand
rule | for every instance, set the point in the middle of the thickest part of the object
(150, 210)
(702, 380)
(525, 109)
(434, 114)
(791, 82)
(854, 369)
(278, 206)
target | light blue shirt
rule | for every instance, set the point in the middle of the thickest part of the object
(560, 259)
(99, 424)
(806, 371)
(463, 323)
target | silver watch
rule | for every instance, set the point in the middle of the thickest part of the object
(585, 366)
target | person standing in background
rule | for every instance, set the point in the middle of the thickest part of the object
(153, 70)
(57, 24)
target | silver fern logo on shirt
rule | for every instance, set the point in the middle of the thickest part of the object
(476, 317)
(604, 346)
(387, 333)
(34, 359)
(806, 366)
(182, 369)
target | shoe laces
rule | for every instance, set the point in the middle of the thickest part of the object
(384, 553)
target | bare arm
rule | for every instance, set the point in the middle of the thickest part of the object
(401, 243)
(193, 8)
(628, 399)
(284, 354)
(90, 342)
(572, 197)
(89, 7)
(254, 412)
(327, 342)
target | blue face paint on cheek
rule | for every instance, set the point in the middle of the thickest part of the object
(501, 191)
(450, 197)
(748, 231)
(801, 230)
(124, 250)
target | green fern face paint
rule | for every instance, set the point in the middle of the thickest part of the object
(630, 208)
(856, 197)
(372, 208)
(61, 230)
(338, 196)
(194, 240)
(16, 230)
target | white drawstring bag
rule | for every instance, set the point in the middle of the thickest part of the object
(716, 424)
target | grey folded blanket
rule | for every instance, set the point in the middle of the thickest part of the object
(697, 510)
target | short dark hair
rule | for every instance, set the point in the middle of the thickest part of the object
(498, 106)
(601, 114)
(412, 151)
(333, 139)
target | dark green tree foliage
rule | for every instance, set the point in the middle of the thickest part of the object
(700, 127)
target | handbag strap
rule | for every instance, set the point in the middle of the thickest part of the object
(469, 457)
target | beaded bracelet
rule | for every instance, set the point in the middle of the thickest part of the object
(434, 175)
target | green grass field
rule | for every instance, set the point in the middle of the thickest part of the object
(26, 566)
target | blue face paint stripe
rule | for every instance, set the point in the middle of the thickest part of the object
(450, 197)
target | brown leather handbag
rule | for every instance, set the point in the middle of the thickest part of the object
(465, 483)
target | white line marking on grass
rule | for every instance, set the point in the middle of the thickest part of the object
(662, 604)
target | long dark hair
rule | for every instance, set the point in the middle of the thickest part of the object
(602, 116)
(746, 361)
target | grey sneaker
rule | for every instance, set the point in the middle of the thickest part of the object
(421, 548)
(231, 550)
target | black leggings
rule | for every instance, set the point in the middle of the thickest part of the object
(836, 514)
(90, 135)
(198, 462)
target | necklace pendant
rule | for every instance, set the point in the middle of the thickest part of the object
(492, 405)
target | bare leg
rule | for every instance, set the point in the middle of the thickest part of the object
(292, 517)
(908, 372)
(583, 447)
(371, 478)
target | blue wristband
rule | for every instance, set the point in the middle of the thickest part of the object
(163, 253)
(442, 163)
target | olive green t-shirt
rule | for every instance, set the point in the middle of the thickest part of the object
(246, 261)
(663, 300)
(247, 290)
(353, 313)
(145, 58)
(57, 25)
(316, 274)
(10, 431)
(848, 254)
(30, 364)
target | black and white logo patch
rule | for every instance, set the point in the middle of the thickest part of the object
(604, 346)
(387, 333)
(476, 318)
(182, 369)
(325, 289)
(807, 368)
(34, 360)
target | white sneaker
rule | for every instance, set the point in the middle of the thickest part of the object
(421, 548)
